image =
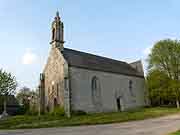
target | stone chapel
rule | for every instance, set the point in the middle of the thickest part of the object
(80, 81)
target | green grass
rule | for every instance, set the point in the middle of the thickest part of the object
(176, 133)
(19, 122)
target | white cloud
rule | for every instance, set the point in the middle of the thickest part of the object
(147, 50)
(29, 57)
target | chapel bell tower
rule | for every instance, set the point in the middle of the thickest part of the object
(57, 28)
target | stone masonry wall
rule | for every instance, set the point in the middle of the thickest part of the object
(54, 79)
(111, 86)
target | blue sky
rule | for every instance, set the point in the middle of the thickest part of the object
(120, 29)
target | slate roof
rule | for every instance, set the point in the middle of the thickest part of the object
(94, 62)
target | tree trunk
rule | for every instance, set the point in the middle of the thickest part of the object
(5, 110)
(177, 103)
(5, 114)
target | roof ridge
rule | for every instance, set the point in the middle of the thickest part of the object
(99, 63)
(96, 55)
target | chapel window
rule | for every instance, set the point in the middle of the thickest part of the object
(131, 88)
(96, 91)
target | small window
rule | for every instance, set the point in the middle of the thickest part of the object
(94, 83)
(130, 84)
(96, 91)
(131, 88)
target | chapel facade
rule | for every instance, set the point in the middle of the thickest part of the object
(79, 81)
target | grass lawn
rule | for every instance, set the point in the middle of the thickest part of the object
(176, 133)
(24, 121)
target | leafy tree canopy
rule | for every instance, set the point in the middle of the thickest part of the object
(164, 70)
(165, 56)
(8, 83)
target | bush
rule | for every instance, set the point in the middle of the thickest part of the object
(79, 112)
(21, 110)
(32, 112)
(58, 111)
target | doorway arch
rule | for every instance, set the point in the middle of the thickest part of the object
(55, 102)
(118, 102)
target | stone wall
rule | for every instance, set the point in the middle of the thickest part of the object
(138, 66)
(112, 86)
(54, 79)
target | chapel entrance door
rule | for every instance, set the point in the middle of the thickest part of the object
(118, 101)
(55, 102)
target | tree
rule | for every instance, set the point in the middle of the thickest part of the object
(27, 98)
(165, 57)
(8, 85)
(174, 86)
(23, 97)
(160, 92)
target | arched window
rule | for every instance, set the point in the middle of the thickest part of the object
(131, 88)
(96, 92)
(94, 83)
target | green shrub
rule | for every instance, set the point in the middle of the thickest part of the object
(21, 110)
(79, 112)
(32, 112)
(58, 111)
